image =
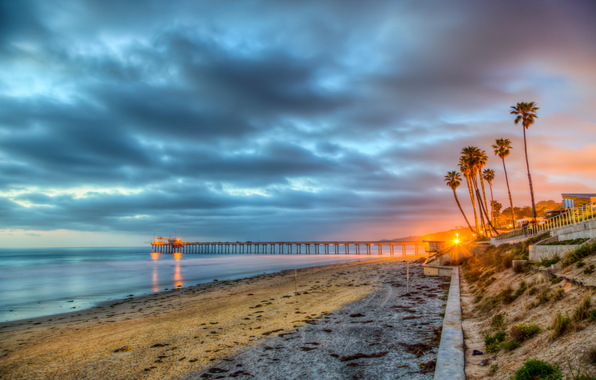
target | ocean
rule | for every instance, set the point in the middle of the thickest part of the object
(38, 282)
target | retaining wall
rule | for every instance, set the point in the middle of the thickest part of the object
(545, 252)
(513, 240)
(450, 358)
(581, 230)
(437, 270)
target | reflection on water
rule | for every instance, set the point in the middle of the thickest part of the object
(46, 281)
(178, 277)
(155, 280)
(178, 280)
(155, 275)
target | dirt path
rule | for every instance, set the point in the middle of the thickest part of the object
(477, 366)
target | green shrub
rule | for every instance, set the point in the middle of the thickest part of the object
(560, 325)
(544, 297)
(492, 343)
(471, 274)
(521, 252)
(486, 275)
(489, 304)
(549, 262)
(507, 296)
(509, 345)
(589, 269)
(578, 254)
(522, 332)
(522, 288)
(507, 261)
(536, 239)
(593, 315)
(568, 242)
(497, 322)
(583, 309)
(557, 294)
(536, 369)
(584, 377)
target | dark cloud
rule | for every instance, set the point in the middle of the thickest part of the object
(278, 120)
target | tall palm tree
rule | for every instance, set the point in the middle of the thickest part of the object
(489, 175)
(526, 113)
(502, 149)
(453, 180)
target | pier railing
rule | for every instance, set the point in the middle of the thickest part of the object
(571, 216)
(401, 248)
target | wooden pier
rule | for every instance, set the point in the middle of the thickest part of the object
(394, 248)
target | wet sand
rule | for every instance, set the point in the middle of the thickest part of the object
(213, 330)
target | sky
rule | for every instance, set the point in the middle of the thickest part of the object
(281, 120)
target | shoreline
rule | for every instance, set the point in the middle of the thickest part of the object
(182, 273)
(200, 324)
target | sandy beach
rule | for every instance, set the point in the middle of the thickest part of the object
(339, 321)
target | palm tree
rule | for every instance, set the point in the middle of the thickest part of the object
(453, 180)
(466, 168)
(489, 175)
(473, 160)
(502, 149)
(526, 113)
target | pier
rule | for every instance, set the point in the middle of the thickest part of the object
(394, 248)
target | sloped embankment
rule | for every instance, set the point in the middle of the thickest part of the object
(512, 316)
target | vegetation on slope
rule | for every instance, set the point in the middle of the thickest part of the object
(530, 315)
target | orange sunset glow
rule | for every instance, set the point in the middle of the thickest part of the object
(318, 134)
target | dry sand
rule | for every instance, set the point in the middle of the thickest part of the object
(253, 328)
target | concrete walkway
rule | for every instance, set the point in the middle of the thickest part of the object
(450, 359)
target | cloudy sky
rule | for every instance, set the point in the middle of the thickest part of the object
(280, 120)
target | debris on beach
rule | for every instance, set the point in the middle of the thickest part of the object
(363, 356)
(123, 349)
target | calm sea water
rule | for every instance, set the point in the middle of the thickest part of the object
(38, 282)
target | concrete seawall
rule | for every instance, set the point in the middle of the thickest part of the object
(450, 358)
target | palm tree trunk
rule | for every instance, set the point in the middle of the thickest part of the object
(462, 211)
(492, 200)
(472, 199)
(479, 198)
(509, 192)
(483, 210)
(529, 176)
(483, 191)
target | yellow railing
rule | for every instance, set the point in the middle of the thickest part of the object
(571, 216)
